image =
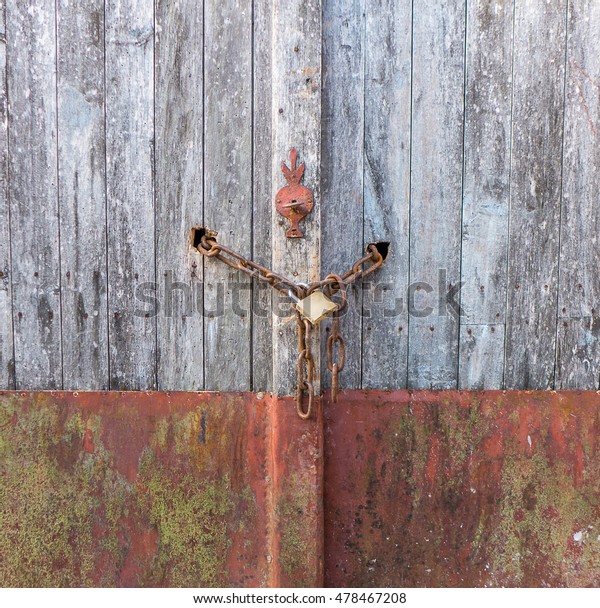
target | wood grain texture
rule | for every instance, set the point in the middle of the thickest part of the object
(343, 116)
(262, 201)
(537, 132)
(33, 192)
(178, 169)
(481, 357)
(7, 371)
(124, 123)
(578, 290)
(387, 190)
(486, 185)
(437, 159)
(227, 190)
(578, 354)
(296, 122)
(82, 194)
(130, 193)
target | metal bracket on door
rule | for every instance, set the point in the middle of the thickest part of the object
(294, 201)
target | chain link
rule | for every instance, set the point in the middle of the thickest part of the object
(332, 285)
(305, 381)
(335, 367)
(210, 248)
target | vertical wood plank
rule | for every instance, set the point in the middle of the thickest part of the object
(537, 131)
(481, 357)
(296, 122)
(579, 289)
(33, 192)
(342, 166)
(82, 194)
(486, 190)
(7, 377)
(387, 189)
(228, 190)
(178, 166)
(578, 354)
(437, 157)
(262, 323)
(130, 193)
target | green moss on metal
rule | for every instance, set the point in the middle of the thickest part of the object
(69, 518)
(49, 506)
(295, 512)
(462, 430)
(543, 512)
(408, 442)
(190, 514)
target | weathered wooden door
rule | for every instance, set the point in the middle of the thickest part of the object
(462, 133)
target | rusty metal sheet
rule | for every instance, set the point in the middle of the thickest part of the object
(462, 489)
(158, 489)
(201, 489)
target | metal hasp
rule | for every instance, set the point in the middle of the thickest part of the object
(294, 201)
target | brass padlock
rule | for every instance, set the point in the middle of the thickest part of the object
(315, 307)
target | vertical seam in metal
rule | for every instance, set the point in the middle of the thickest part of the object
(462, 193)
(510, 163)
(560, 215)
(410, 162)
(56, 148)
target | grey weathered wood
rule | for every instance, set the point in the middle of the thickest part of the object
(387, 189)
(178, 166)
(579, 289)
(228, 189)
(262, 207)
(296, 122)
(247, 93)
(82, 188)
(34, 222)
(578, 354)
(481, 357)
(437, 157)
(7, 377)
(130, 193)
(342, 166)
(486, 186)
(537, 131)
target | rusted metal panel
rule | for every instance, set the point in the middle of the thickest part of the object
(158, 489)
(199, 489)
(462, 489)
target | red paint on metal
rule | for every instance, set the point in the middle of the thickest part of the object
(297, 505)
(294, 201)
(159, 489)
(462, 489)
(198, 489)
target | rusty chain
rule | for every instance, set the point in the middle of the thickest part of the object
(333, 285)
(305, 382)
(335, 367)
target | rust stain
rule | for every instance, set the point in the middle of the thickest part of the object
(155, 489)
(462, 489)
(294, 201)
(233, 489)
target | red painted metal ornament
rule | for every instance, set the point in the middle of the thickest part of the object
(294, 201)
